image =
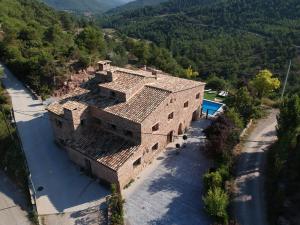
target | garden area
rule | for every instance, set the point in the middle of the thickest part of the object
(212, 96)
(223, 135)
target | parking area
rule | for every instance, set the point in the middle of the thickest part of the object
(169, 191)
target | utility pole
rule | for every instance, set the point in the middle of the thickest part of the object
(286, 79)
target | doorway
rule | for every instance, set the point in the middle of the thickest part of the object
(170, 137)
(195, 115)
(180, 129)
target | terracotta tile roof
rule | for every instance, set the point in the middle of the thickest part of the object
(56, 108)
(140, 105)
(106, 148)
(174, 84)
(72, 105)
(124, 82)
(138, 72)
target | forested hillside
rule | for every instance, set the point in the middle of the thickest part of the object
(136, 5)
(44, 47)
(230, 38)
(93, 6)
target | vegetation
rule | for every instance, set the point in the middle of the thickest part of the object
(232, 39)
(222, 137)
(216, 202)
(264, 83)
(135, 5)
(116, 207)
(78, 6)
(12, 160)
(43, 47)
(283, 179)
(244, 104)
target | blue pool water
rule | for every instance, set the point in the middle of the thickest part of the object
(212, 107)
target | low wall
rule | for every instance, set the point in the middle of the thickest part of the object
(246, 128)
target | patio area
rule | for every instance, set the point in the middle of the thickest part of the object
(169, 191)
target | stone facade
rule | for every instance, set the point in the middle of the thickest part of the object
(114, 125)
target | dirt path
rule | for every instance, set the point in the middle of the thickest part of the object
(249, 199)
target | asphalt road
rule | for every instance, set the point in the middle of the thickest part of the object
(12, 203)
(249, 200)
(62, 187)
(169, 191)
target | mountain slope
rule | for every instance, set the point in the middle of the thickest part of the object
(95, 6)
(41, 45)
(230, 38)
(136, 5)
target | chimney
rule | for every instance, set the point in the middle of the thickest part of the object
(104, 65)
(154, 73)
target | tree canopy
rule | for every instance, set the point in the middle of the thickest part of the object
(264, 83)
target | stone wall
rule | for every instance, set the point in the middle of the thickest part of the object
(182, 118)
(97, 169)
(121, 125)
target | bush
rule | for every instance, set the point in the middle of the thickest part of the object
(212, 180)
(216, 202)
(116, 207)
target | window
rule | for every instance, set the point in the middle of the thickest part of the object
(186, 104)
(82, 122)
(155, 147)
(171, 100)
(58, 123)
(198, 96)
(171, 116)
(137, 162)
(155, 127)
(128, 133)
(114, 127)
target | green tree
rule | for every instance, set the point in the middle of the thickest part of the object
(189, 73)
(91, 39)
(216, 202)
(235, 117)
(264, 83)
(243, 103)
(289, 120)
(216, 83)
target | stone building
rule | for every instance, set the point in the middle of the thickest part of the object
(116, 123)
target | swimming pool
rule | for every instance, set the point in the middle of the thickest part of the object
(211, 107)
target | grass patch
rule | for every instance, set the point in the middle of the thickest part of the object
(212, 96)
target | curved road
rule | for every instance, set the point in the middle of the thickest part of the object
(249, 199)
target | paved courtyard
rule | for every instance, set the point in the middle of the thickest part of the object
(168, 192)
(12, 203)
(59, 185)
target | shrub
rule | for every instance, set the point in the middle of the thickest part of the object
(212, 180)
(216, 202)
(224, 172)
(116, 206)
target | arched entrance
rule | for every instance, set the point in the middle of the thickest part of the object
(170, 137)
(180, 129)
